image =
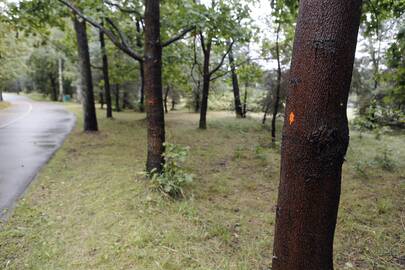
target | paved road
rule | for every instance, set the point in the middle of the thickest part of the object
(30, 132)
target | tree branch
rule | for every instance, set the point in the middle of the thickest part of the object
(121, 45)
(123, 9)
(222, 59)
(178, 37)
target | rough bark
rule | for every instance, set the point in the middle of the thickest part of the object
(153, 87)
(106, 75)
(315, 134)
(90, 119)
(206, 85)
(278, 86)
(235, 86)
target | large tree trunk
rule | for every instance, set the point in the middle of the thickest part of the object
(235, 86)
(206, 86)
(106, 76)
(316, 134)
(278, 86)
(153, 88)
(90, 119)
(54, 88)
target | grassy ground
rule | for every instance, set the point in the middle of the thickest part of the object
(4, 105)
(90, 208)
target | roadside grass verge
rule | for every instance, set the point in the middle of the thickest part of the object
(4, 105)
(90, 208)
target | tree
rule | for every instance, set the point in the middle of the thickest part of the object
(152, 59)
(89, 109)
(221, 24)
(235, 86)
(316, 134)
(106, 75)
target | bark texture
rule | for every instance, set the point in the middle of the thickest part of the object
(153, 87)
(235, 86)
(315, 134)
(90, 119)
(106, 76)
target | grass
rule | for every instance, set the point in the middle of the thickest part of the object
(90, 209)
(4, 105)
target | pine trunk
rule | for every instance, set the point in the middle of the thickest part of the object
(54, 88)
(106, 76)
(153, 87)
(117, 98)
(89, 109)
(315, 134)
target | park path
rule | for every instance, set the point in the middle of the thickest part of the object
(30, 133)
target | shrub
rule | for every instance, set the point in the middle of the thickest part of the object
(174, 177)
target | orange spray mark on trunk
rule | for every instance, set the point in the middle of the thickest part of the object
(292, 118)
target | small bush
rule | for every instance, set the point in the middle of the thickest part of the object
(384, 161)
(174, 177)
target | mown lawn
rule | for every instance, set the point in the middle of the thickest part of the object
(90, 208)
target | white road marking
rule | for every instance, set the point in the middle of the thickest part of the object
(27, 113)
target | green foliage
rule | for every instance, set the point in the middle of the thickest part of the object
(174, 177)
(384, 160)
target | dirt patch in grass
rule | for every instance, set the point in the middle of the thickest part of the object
(91, 209)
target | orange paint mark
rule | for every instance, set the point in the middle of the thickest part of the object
(292, 118)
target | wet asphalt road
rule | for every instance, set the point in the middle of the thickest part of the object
(30, 133)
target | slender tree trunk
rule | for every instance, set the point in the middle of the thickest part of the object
(117, 98)
(206, 86)
(278, 86)
(141, 68)
(316, 134)
(153, 88)
(106, 76)
(60, 69)
(90, 119)
(1, 95)
(165, 99)
(142, 92)
(235, 86)
(244, 108)
(54, 88)
(197, 101)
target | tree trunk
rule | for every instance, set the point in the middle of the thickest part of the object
(235, 86)
(153, 87)
(117, 98)
(315, 134)
(206, 86)
(90, 119)
(244, 108)
(141, 68)
(197, 101)
(106, 76)
(278, 86)
(54, 88)
(1, 95)
(60, 69)
(165, 99)
(142, 92)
